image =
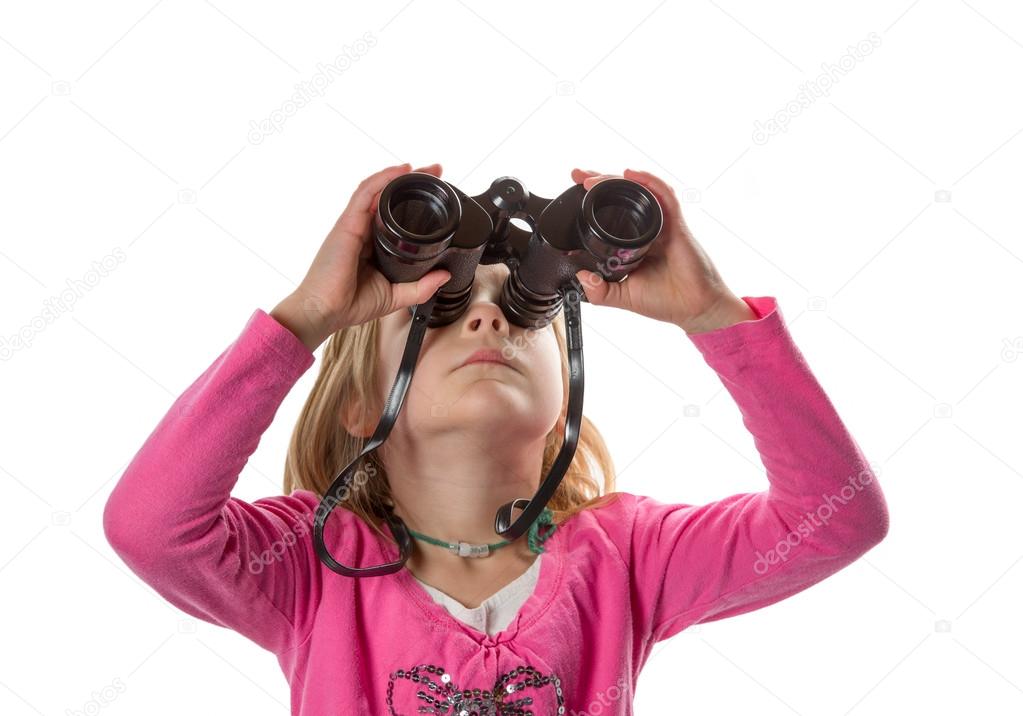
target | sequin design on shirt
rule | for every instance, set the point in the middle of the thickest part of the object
(437, 694)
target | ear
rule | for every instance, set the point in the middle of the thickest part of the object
(355, 419)
(558, 428)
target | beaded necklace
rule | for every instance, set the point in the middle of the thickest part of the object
(465, 549)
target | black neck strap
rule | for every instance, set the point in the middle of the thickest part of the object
(503, 524)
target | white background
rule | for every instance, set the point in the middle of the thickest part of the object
(884, 219)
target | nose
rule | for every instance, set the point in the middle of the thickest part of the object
(482, 317)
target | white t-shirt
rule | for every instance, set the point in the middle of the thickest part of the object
(497, 611)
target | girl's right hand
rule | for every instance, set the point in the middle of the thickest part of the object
(343, 287)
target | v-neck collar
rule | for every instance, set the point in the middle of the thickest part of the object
(508, 591)
(547, 583)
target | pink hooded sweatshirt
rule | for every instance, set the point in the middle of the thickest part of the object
(614, 579)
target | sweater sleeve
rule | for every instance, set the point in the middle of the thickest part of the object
(821, 510)
(171, 518)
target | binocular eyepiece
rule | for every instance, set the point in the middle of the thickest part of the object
(424, 223)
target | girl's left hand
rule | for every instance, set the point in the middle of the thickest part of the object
(676, 282)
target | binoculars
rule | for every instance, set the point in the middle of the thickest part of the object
(424, 223)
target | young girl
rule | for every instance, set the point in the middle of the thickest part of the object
(559, 621)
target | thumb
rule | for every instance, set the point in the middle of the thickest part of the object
(415, 292)
(598, 291)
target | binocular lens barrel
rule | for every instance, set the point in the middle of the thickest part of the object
(622, 217)
(417, 218)
(619, 220)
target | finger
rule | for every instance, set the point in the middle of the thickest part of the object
(372, 185)
(355, 221)
(434, 169)
(414, 292)
(592, 181)
(600, 292)
(578, 175)
(661, 189)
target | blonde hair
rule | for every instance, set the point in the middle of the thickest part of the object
(321, 445)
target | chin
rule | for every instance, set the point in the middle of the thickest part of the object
(483, 399)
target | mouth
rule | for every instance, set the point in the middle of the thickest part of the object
(484, 361)
(487, 356)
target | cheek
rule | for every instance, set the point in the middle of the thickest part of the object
(429, 394)
(544, 359)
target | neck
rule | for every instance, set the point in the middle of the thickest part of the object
(451, 490)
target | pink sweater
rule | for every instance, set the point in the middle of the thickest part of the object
(614, 580)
